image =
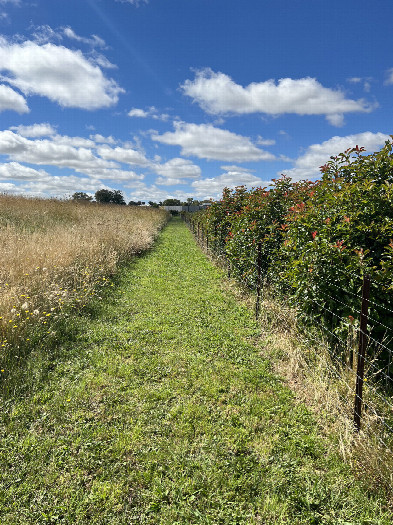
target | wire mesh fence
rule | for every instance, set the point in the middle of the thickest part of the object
(359, 345)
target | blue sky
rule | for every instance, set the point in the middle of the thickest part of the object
(180, 98)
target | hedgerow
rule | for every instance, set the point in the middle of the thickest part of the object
(318, 239)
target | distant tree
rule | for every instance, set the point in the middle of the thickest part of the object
(134, 203)
(103, 196)
(171, 202)
(117, 197)
(81, 196)
(109, 197)
(153, 204)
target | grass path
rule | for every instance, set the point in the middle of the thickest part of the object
(163, 410)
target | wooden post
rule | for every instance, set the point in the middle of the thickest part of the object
(259, 280)
(361, 352)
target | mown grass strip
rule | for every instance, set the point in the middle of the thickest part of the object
(163, 410)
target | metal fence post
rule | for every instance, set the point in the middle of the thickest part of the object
(361, 352)
(259, 280)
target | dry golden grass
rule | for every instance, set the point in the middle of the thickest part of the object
(56, 253)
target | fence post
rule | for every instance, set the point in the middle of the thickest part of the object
(361, 352)
(259, 280)
(207, 239)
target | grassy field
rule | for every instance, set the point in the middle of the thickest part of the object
(161, 408)
(54, 256)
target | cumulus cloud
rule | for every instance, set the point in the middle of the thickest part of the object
(316, 155)
(16, 171)
(10, 99)
(178, 169)
(211, 188)
(58, 185)
(40, 182)
(207, 142)
(58, 73)
(151, 112)
(217, 94)
(35, 130)
(265, 142)
(113, 174)
(163, 181)
(49, 152)
(121, 154)
(103, 140)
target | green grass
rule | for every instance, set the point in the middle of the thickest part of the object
(161, 409)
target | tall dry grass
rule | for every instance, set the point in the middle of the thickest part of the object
(58, 253)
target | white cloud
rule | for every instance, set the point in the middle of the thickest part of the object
(76, 142)
(152, 193)
(103, 140)
(366, 81)
(218, 94)
(35, 130)
(389, 80)
(212, 188)
(265, 142)
(55, 185)
(151, 112)
(113, 174)
(178, 169)
(206, 141)
(163, 181)
(10, 99)
(58, 73)
(42, 183)
(44, 34)
(127, 155)
(93, 41)
(48, 152)
(9, 187)
(16, 171)
(139, 113)
(136, 3)
(336, 119)
(307, 165)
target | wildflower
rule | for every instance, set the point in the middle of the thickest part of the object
(25, 306)
(314, 234)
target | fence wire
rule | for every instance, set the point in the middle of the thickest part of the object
(342, 347)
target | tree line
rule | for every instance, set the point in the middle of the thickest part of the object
(116, 197)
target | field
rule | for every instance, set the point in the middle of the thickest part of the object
(162, 406)
(54, 256)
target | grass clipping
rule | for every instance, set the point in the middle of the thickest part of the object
(56, 254)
